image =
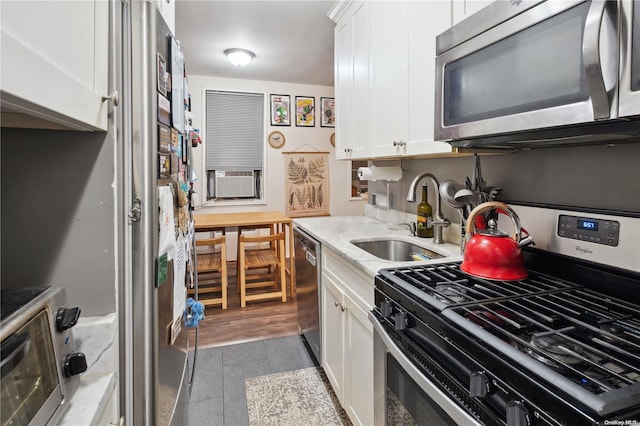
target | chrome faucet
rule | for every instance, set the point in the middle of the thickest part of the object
(439, 221)
(412, 227)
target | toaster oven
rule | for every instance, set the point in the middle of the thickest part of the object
(39, 365)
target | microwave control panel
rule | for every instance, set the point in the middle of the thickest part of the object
(587, 229)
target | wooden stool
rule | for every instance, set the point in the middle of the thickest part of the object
(272, 258)
(212, 260)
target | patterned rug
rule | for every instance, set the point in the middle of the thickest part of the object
(293, 398)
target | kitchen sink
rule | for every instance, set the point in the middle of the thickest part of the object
(396, 250)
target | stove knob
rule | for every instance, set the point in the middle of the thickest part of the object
(517, 414)
(400, 321)
(386, 308)
(66, 318)
(479, 384)
(74, 363)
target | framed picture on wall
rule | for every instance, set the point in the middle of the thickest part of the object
(305, 111)
(280, 110)
(328, 111)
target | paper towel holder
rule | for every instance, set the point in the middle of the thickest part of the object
(375, 173)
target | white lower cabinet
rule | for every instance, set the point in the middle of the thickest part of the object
(347, 337)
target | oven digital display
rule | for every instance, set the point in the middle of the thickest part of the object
(598, 231)
(589, 225)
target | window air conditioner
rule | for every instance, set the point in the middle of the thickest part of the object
(234, 184)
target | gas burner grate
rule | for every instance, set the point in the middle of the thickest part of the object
(445, 284)
(565, 331)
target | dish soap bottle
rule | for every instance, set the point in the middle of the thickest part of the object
(425, 216)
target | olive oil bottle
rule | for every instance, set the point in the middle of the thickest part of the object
(425, 216)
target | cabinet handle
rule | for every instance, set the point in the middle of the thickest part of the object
(347, 150)
(399, 143)
(335, 304)
(114, 98)
(342, 308)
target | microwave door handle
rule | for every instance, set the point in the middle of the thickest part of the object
(591, 59)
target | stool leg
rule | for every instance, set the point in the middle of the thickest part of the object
(283, 280)
(223, 272)
(241, 278)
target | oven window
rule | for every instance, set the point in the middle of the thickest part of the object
(29, 371)
(407, 404)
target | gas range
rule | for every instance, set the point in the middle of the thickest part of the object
(559, 347)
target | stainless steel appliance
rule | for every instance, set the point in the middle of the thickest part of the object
(154, 365)
(557, 348)
(39, 364)
(308, 281)
(540, 73)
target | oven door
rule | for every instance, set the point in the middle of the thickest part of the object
(403, 394)
(507, 79)
(30, 386)
(629, 87)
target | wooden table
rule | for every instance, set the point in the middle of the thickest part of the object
(213, 221)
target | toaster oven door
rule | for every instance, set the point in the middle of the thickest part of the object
(30, 383)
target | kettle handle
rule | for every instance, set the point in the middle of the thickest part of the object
(489, 205)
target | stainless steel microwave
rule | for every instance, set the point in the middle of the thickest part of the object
(537, 73)
(38, 360)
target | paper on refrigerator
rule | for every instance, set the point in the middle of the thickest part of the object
(167, 237)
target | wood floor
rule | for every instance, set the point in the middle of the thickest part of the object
(258, 320)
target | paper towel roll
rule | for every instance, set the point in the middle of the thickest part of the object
(379, 173)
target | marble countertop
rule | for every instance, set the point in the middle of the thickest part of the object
(96, 337)
(337, 232)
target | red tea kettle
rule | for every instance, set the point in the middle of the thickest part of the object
(491, 253)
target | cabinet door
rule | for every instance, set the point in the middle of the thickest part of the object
(333, 335)
(361, 114)
(359, 364)
(352, 83)
(343, 57)
(55, 61)
(389, 85)
(426, 21)
(167, 9)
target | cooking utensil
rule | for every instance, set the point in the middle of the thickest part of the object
(491, 253)
(447, 190)
(465, 196)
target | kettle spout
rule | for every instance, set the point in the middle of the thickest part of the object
(526, 241)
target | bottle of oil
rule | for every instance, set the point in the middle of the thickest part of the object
(425, 216)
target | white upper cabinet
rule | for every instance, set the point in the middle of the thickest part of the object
(167, 9)
(389, 102)
(426, 21)
(54, 70)
(352, 82)
(389, 83)
(464, 8)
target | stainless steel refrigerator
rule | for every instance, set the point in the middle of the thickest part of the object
(154, 366)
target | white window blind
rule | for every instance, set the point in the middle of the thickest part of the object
(235, 130)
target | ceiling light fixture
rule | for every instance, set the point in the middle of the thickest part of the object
(239, 57)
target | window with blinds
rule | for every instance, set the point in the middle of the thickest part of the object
(234, 144)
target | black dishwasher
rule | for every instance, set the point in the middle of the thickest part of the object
(307, 258)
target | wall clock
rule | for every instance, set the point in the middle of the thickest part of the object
(276, 139)
(332, 139)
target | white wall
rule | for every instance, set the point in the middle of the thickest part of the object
(297, 139)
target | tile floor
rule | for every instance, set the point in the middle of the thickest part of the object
(218, 394)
